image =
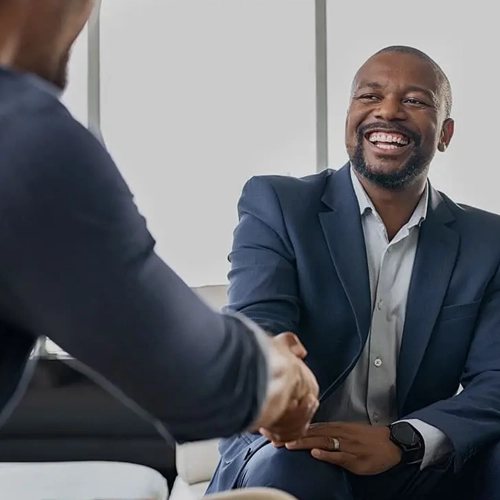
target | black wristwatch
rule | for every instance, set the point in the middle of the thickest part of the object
(409, 441)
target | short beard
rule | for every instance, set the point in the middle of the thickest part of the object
(413, 169)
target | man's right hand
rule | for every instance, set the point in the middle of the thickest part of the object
(292, 398)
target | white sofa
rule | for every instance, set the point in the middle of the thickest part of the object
(196, 463)
(81, 481)
(118, 481)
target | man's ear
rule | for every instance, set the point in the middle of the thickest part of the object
(446, 134)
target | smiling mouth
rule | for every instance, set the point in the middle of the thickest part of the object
(387, 141)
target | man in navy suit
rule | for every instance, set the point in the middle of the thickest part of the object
(395, 292)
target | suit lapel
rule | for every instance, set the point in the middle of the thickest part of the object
(344, 235)
(434, 262)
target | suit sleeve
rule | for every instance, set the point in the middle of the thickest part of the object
(78, 265)
(471, 419)
(263, 277)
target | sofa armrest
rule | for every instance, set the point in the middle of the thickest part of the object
(196, 462)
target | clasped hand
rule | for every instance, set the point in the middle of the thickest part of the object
(359, 448)
(291, 404)
(293, 391)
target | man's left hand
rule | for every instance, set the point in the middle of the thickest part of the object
(361, 449)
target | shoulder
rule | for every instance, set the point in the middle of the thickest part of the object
(288, 191)
(34, 117)
(44, 143)
(48, 126)
(474, 222)
(50, 162)
(470, 214)
(284, 184)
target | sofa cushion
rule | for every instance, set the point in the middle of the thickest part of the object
(183, 491)
(81, 481)
(196, 462)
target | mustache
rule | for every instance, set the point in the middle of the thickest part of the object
(389, 127)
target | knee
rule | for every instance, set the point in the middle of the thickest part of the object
(295, 472)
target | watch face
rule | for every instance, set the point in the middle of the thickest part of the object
(405, 434)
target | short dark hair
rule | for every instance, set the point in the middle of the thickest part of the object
(445, 86)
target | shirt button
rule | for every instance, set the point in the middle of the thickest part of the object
(377, 362)
(380, 304)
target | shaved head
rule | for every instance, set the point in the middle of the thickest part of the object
(36, 36)
(444, 83)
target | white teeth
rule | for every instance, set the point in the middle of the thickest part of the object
(385, 145)
(381, 137)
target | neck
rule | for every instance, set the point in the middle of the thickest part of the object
(11, 34)
(20, 37)
(394, 207)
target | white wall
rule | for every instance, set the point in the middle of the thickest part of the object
(198, 96)
(463, 39)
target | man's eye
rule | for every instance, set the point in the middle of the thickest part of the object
(368, 97)
(417, 102)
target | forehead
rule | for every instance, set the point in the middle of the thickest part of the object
(396, 71)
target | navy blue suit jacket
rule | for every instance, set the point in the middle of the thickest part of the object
(299, 264)
(78, 264)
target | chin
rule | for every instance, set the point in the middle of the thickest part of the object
(387, 162)
(60, 78)
(61, 82)
(384, 168)
(393, 177)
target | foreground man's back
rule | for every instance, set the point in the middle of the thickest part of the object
(77, 264)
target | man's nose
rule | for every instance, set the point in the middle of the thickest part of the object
(390, 109)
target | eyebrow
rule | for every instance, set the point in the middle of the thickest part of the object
(411, 88)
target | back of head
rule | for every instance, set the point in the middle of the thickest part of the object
(36, 36)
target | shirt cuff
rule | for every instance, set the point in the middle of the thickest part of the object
(437, 444)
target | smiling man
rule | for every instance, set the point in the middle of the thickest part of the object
(395, 292)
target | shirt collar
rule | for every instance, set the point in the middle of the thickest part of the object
(366, 204)
(37, 81)
(44, 85)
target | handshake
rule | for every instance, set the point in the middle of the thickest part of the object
(292, 397)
